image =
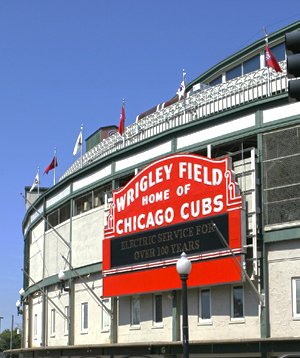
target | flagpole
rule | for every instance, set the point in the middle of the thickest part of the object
(267, 43)
(81, 145)
(38, 181)
(54, 180)
(184, 80)
(124, 123)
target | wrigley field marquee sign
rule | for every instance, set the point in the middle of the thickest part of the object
(168, 208)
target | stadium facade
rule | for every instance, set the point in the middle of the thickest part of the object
(226, 156)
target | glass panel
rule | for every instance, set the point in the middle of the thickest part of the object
(52, 219)
(64, 213)
(84, 316)
(52, 322)
(251, 65)
(279, 52)
(98, 197)
(217, 81)
(105, 315)
(82, 204)
(158, 308)
(66, 321)
(123, 181)
(238, 309)
(298, 296)
(135, 310)
(235, 72)
(205, 304)
(35, 326)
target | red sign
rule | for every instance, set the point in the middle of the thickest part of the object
(168, 208)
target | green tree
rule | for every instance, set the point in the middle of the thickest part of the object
(5, 339)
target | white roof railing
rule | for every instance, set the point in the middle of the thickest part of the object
(204, 103)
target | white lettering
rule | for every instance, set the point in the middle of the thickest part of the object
(218, 203)
(145, 200)
(183, 207)
(167, 194)
(143, 184)
(205, 173)
(121, 203)
(141, 226)
(130, 196)
(206, 206)
(119, 231)
(168, 171)
(179, 190)
(151, 182)
(195, 211)
(197, 173)
(158, 177)
(159, 219)
(187, 187)
(150, 220)
(127, 225)
(217, 176)
(182, 169)
(169, 215)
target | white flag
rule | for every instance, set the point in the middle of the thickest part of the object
(36, 181)
(181, 90)
(78, 144)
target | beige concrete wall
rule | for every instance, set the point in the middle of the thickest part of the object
(87, 236)
(36, 309)
(61, 300)
(222, 325)
(283, 265)
(94, 333)
(25, 326)
(36, 252)
(147, 331)
(54, 248)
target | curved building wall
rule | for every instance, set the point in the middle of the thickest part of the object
(236, 119)
(87, 237)
(283, 267)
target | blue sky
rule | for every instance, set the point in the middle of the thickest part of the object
(67, 63)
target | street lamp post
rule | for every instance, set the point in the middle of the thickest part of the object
(184, 267)
(0, 323)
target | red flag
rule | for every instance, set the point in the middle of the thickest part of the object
(271, 60)
(122, 120)
(51, 165)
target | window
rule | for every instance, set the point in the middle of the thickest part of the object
(35, 327)
(64, 213)
(237, 302)
(158, 319)
(52, 322)
(204, 306)
(296, 297)
(52, 219)
(84, 317)
(279, 52)
(105, 315)
(251, 65)
(66, 328)
(217, 81)
(83, 204)
(98, 197)
(135, 311)
(58, 216)
(235, 72)
(123, 181)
